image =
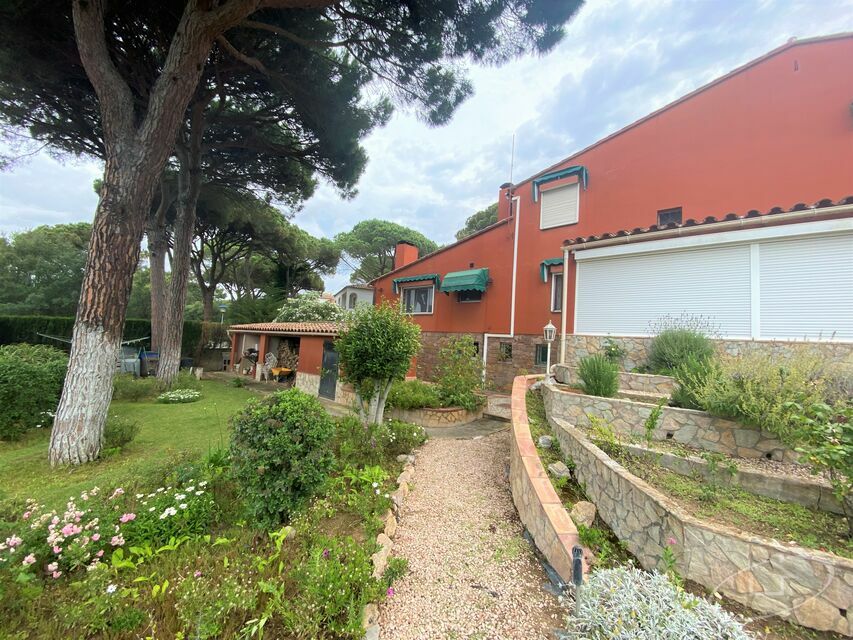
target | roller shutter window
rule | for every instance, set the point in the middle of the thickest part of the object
(806, 288)
(623, 295)
(559, 206)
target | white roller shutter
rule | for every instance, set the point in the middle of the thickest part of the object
(806, 288)
(559, 206)
(622, 295)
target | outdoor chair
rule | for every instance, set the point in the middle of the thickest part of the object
(270, 361)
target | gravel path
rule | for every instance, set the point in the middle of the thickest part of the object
(471, 574)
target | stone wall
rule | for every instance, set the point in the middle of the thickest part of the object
(637, 349)
(310, 383)
(814, 493)
(812, 588)
(435, 417)
(538, 505)
(696, 429)
(500, 371)
(642, 382)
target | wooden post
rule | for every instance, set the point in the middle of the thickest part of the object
(262, 351)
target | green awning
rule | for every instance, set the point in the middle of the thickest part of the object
(471, 280)
(548, 262)
(434, 277)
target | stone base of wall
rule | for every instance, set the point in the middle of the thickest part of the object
(435, 418)
(812, 588)
(637, 349)
(538, 505)
(642, 382)
(500, 371)
(696, 429)
(310, 383)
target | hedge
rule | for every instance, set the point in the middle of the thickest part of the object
(15, 329)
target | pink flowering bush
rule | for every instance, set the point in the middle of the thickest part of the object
(53, 543)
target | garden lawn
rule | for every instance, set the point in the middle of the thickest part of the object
(168, 433)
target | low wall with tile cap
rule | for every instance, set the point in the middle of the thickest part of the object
(696, 429)
(809, 587)
(642, 382)
(537, 503)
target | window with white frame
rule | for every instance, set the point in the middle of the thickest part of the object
(559, 206)
(556, 292)
(418, 300)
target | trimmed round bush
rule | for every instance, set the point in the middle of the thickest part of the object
(630, 604)
(31, 377)
(412, 394)
(599, 376)
(281, 453)
(674, 347)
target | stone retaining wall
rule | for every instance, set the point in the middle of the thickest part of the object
(537, 503)
(435, 417)
(310, 383)
(637, 349)
(813, 493)
(812, 588)
(692, 428)
(642, 382)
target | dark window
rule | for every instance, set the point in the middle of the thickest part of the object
(477, 348)
(470, 296)
(557, 292)
(505, 351)
(541, 355)
(668, 216)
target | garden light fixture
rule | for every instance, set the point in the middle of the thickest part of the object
(549, 333)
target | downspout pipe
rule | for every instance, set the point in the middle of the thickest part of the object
(563, 307)
(515, 204)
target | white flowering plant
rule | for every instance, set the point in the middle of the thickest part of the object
(179, 396)
(51, 543)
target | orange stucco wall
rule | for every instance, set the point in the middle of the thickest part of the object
(778, 132)
(311, 354)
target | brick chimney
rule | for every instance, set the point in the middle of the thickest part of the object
(404, 254)
(505, 200)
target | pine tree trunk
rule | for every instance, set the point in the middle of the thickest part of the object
(189, 186)
(158, 245)
(207, 303)
(113, 255)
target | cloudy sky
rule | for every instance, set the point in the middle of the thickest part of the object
(620, 60)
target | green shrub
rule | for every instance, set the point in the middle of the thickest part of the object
(31, 378)
(691, 375)
(634, 605)
(412, 394)
(186, 380)
(132, 389)
(358, 444)
(281, 453)
(675, 346)
(599, 376)
(459, 374)
(119, 432)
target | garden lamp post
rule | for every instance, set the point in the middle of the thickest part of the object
(222, 309)
(549, 333)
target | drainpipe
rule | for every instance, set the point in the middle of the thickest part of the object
(563, 305)
(515, 211)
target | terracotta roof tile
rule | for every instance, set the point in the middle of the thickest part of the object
(331, 328)
(709, 220)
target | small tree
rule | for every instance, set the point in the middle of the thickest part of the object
(376, 347)
(459, 374)
(309, 307)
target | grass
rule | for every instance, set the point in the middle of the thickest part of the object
(169, 432)
(759, 515)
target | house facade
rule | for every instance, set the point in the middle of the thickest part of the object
(731, 203)
(354, 294)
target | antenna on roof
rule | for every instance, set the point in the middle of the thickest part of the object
(511, 158)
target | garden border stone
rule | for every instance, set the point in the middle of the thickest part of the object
(697, 429)
(385, 540)
(809, 587)
(628, 381)
(538, 505)
(435, 417)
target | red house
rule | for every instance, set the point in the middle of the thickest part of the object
(732, 202)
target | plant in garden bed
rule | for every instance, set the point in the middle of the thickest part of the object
(613, 352)
(413, 394)
(459, 374)
(599, 376)
(679, 339)
(631, 604)
(179, 396)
